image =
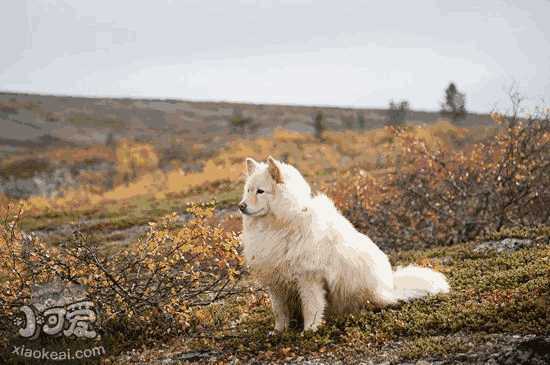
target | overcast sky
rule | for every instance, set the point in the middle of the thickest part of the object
(346, 53)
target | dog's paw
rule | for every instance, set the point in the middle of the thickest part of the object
(281, 326)
(274, 333)
(313, 327)
(309, 330)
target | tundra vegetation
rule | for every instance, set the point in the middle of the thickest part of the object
(157, 248)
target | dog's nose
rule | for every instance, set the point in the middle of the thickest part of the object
(242, 206)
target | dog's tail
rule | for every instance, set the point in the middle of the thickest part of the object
(414, 281)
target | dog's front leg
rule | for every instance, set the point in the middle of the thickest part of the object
(312, 295)
(281, 311)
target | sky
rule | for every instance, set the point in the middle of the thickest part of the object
(341, 53)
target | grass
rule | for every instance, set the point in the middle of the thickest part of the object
(492, 293)
(24, 168)
(101, 221)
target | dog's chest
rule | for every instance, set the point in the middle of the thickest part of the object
(269, 252)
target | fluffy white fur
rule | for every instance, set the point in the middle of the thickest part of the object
(311, 258)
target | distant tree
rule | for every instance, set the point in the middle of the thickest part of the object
(239, 123)
(454, 104)
(361, 121)
(319, 125)
(110, 140)
(397, 113)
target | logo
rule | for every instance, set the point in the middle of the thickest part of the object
(59, 314)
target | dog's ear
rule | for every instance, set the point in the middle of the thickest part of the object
(250, 165)
(274, 170)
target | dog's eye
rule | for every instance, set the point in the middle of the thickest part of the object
(259, 191)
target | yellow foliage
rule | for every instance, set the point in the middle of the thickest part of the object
(169, 271)
(136, 163)
(133, 159)
(440, 193)
(73, 155)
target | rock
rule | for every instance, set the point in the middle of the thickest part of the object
(50, 183)
(193, 356)
(507, 244)
(422, 362)
(534, 351)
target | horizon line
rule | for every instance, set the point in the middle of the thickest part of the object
(220, 101)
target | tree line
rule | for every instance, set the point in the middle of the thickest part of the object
(452, 107)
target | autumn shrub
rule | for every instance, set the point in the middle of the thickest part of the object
(8, 108)
(12, 106)
(134, 159)
(144, 291)
(438, 195)
(138, 173)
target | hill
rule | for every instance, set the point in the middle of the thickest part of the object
(30, 121)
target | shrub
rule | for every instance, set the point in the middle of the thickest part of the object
(153, 284)
(439, 195)
(319, 125)
(134, 159)
(397, 113)
(239, 123)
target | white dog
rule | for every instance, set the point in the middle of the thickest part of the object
(311, 258)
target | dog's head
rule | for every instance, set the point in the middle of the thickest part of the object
(272, 187)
